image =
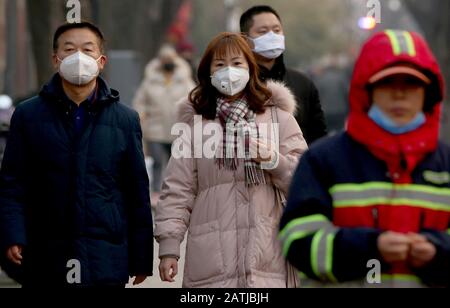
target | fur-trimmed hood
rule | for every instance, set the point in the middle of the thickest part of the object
(282, 98)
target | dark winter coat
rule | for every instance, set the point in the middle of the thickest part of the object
(65, 198)
(309, 116)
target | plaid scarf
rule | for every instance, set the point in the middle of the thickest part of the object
(239, 124)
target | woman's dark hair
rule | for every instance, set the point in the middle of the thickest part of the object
(204, 96)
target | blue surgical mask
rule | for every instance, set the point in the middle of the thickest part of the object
(382, 120)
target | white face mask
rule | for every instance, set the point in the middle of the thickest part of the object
(270, 45)
(79, 69)
(230, 80)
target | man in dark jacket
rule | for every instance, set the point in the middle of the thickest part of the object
(263, 25)
(74, 192)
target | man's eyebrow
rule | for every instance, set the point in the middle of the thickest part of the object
(85, 44)
(269, 26)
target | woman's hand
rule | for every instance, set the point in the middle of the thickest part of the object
(168, 269)
(260, 151)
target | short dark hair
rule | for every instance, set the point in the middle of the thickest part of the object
(247, 18)
(82, 25)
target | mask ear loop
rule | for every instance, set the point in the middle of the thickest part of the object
(249, 41)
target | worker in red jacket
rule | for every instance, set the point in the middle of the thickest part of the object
(379, 193)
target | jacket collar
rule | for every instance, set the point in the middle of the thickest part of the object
(277, 72)
(401, 153)
(54, 93)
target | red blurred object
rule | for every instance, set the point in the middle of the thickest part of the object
(185, 46)
(179, 29)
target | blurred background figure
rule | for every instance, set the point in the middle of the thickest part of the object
(6, 112)
(265, 29)
(168, 78)
(332, 80)
(186, 51)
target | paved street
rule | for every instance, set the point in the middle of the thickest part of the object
(152, 282)
(5, 282)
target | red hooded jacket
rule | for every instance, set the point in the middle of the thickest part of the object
(352, 187)
(384, 50)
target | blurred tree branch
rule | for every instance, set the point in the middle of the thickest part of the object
(432, 16)
(40, 27)
(140, 26)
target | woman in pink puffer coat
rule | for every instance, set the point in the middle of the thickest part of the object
(228, 203)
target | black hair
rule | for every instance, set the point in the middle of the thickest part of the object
(82, 25)
(433, 93)
(247, 18)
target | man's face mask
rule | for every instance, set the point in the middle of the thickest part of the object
(230, 80)
(79, 69)
(270, 45)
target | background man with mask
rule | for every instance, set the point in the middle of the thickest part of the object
(168, 78)
(74, 195)
(263, 25)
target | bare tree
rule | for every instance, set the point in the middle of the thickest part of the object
(432, 16)
(139, 26)
(40, 26)
(2, 43)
